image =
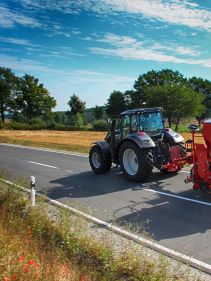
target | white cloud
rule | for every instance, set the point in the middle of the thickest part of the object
(17, 41)
(178, 12)
(9, 19)
(186, 51)
(172, 11)
(23, 65)
(129, 48)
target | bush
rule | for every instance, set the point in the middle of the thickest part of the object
(37, 123)
(17, 126)
(100, 125)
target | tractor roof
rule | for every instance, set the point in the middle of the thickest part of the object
(142, 110)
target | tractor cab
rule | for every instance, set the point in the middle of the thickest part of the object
(148, 120)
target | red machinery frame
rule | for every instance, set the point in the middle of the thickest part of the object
(201, 158)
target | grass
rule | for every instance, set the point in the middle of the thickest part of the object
(35, 246)
(72, 140)
(79, 141)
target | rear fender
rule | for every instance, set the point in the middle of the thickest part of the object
(105, 148)
(172, 137)
(141, 140)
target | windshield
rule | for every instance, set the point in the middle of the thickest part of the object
(151, 122)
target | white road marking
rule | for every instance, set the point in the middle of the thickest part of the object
(41, 164)
(49, 166)
(178, 197)
(72, 172)
(45, 149)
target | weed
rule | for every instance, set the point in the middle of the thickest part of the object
(38, 246)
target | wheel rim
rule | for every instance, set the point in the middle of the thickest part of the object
(130, 162)
(96, 160)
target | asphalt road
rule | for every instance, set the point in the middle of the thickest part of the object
(165, 208)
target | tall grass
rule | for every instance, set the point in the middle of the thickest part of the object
(39, 246)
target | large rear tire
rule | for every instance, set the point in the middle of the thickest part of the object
(98, 162)
(136, 163)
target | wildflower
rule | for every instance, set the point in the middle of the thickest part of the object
(37, 265)
(6, 278)
(84, 277)
(21, 259)
(26, 268)
(31, 262)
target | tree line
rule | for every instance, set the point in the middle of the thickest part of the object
(179, 96)
(26, 100)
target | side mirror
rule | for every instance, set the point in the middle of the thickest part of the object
(193, 128)
(109, 121)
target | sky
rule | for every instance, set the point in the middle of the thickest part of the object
(92, 47)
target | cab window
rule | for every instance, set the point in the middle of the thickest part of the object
(128, 125)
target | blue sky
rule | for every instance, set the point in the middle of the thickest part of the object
(92, 47)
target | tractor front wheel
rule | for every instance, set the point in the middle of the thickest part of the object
(136, 163)
(98, 162)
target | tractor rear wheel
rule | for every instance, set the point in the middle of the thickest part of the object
(136, 163)
(98, 162)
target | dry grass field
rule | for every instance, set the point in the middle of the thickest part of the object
(69, 140)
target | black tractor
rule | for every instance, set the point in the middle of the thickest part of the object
(138, 142)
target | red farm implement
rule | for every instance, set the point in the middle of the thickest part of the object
(200, 173)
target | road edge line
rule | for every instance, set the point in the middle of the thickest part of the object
(65, 152)
(192, 262)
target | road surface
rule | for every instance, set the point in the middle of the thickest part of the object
(165, 208)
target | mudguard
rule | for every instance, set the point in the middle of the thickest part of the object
(105, 148)
(172, 137)
(141, 139)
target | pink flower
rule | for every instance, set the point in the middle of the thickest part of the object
(21, 259)
(84, 277)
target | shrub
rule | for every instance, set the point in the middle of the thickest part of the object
(17, 126)
(100, 125)
(37, 124)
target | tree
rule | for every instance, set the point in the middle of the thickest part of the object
(60, 117)
(7, 91)
(77, 109)
(204, 87)
(116, 104)
(177, 100)
(98, 112)
(33, 100)
(153, 78)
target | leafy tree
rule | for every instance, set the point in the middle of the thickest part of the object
(116, 104)
(7, 91)
(204, 87)
(177, 100)
(33, 100)
(153, 78)
(98, 112)
(60, 117)
(77, 109)
(100, 125)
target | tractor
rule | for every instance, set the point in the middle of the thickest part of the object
(138, 142)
